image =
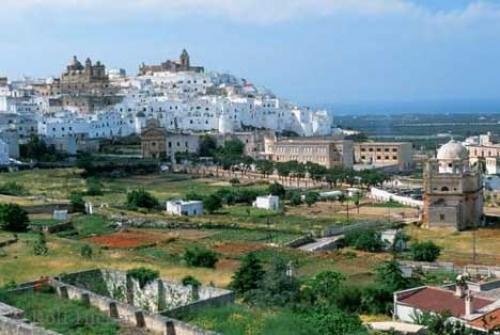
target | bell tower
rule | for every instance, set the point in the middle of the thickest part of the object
(185, 62)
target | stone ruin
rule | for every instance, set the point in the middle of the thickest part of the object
(120, 296)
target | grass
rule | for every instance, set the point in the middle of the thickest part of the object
(44, 222)
(62, 316)
(241, 320)
(91, 225)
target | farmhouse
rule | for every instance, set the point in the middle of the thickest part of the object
(185, 208)
(269, 202)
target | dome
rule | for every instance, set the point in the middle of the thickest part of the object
(452, 151)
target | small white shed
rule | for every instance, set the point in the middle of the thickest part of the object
(269, 202)
(185, 208)
(60, 215)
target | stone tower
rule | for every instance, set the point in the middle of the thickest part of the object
(453, 191)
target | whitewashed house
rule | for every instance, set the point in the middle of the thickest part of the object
(269, 202)
(185, 208)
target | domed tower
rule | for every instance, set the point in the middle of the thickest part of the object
(453, 191)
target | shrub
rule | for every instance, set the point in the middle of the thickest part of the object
(200, 257)
(143, 275)
(425, 251)
(40, 246)
(364, 239)
(13, 218)
(192, 281)
(86, 251)
(234, 181)
(311, 198)
(295, 199)
(141, 199)
(212, 203)
(77, 202)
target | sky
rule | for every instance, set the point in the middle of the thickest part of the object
(309, 51)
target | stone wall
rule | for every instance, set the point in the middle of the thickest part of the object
(133, 315)
(114, 292)
(10, 326)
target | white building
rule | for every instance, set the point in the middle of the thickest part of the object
(269, 202)
(185, 208)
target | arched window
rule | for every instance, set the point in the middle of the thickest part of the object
(444, 189)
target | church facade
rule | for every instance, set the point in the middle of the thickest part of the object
(453, 190)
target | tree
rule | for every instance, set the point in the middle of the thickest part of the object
(13, 218)
(94, 187)
(264, 167)
(212, 203)
(283, 169)
(278, 288)
(249, 276)
(295, 198)
(390, 276)
(277, 189)
(311, 198)
(141, 199)
(208, 146)
(40, 246)
(200, 257)
(77, 202)
(325, 287)
(37, 149)
(425, 251)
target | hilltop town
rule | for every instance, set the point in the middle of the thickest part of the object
(183, 201)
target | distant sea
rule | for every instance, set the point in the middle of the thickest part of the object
(414, 107)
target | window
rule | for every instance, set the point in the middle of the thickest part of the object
(441, 217)
(394, 157)
(444, 189)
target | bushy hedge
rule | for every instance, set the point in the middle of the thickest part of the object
(364, 239)
(141, 199)
(200, 257)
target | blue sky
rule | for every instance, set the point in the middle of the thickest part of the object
(310, 51)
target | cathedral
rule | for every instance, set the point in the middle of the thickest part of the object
(453, 190)
(183, 64)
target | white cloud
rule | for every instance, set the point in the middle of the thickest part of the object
(256, 11)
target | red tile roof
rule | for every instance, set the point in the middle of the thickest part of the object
(488, 321)
(439, 300)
